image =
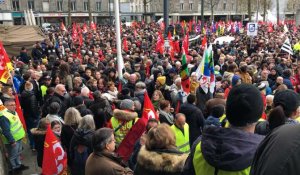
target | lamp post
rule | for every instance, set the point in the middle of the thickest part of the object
(166, 16)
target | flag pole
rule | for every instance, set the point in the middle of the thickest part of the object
(118, 39)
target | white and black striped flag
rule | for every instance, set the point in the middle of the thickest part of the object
(287, 47)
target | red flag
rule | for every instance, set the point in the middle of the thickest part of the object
(101, 56)
(126, 147)
(169, 36)
(204, 42)
(160, 44)
(177, 107)
(270, 28)
(5, 64)
(79, 29)
(74, 33)
(162, 26)
(190, 26)
(55, 158)
(148, 69)
(80, 39)
(93, 26)
(185, 43)
(19, 112)
(84, 28)
(125, 45)
(120, 86)
(62, 26)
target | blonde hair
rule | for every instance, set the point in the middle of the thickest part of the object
(87, 123)
(72, 116)
(160, 137)
(161, 97)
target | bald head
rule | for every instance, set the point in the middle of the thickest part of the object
(60, 89)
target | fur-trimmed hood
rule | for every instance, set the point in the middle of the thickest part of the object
(168, 161)
(124, 115)
(35, 131)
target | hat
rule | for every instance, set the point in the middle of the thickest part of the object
(161, 80)
(244, 105)
(126, 104)
(235, 79)
(288, 99)
(47, 77)
(172, 71)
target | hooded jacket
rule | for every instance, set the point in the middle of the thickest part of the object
(121, 122)
(84, 138)
(160, 162)
(222, 150)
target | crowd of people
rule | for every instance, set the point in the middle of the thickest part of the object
(74, 87)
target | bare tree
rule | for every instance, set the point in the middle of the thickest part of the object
(90, 11)
(211, 4)
(69, 12)
(249, 10)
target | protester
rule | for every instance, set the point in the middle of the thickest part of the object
(181, 130)
(237, 144)
(103, 160)
(160, 155)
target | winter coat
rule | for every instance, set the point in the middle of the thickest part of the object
(165, 117)
(83, 138)
(39, 138)
(66, 135)
(105, 163)
(194, 118)
(202, 98)
(160, 162)
(29, 104)
(225, 149)
(123, 120)
(228, 76)
(278, 153)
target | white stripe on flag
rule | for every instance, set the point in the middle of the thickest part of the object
(287, 47)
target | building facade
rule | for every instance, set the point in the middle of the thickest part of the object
(56, 11)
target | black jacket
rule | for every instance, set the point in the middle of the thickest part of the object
(29, 104)
(202, 98)
(66, 135)
(24, 57)
(37, 53)
(60, 100)
(39, 139)
(194, 118)
(84, 138)
(278, 153)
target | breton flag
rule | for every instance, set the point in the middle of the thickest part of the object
(287, 47)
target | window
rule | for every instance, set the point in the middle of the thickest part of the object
(16, 5)
(98, 6)
(59, 5)
(181, 6)
(191, 6)
(73, 6)
(85, 6)
(111, 7)
(45, 6)
(224, 6)
(31, 4)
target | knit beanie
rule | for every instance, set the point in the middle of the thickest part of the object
(244, 105)
(161, 80)
(235, 80)
(126, 104)
(288, 99)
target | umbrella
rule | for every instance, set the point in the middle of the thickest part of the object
(223, 39)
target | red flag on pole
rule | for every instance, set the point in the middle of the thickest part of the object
(55, 158)
(125, 45)
(93, 26)
(5, 65)
(19, 112)
(62, 27)
(204, 42)
(126, 147)
(84, 28)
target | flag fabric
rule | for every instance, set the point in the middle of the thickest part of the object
(204, 42)
(55, 158)
(205, 71)
(84, 28)
(5, 65)
(125, 45)
(74, 32)
(125, 149)
(19, 112)
(287, 47)
(185, 43)
(62, 27)
(93, 26)
(160, 44)
(184, 75)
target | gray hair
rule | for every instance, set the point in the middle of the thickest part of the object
(85, 91)
(72, 116)
(101, 138)
(140, 85)
(87, 123)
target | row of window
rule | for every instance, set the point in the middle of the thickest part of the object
(30, 5)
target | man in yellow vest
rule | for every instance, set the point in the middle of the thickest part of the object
(229, 151)
(12, 133)
(181, 130)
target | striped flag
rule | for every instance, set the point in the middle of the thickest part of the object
(184, 74)
(287, 47)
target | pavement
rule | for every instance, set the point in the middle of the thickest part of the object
(29, 159)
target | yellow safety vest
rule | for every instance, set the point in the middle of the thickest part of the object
(16, 127)
(44, 90)
(182, 140)
(121, 133)
(202, 167)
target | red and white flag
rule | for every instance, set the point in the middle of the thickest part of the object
(55, 158)
(62, 27)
